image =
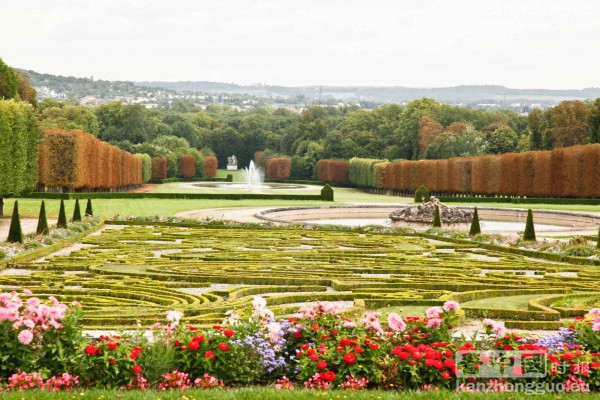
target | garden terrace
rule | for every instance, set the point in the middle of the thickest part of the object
(130, 274)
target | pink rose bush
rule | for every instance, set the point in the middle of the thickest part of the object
(317, 349)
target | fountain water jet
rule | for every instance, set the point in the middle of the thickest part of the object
(254, 177)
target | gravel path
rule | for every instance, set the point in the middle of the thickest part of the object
(28, 225)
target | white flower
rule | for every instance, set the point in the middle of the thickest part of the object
(174, 316)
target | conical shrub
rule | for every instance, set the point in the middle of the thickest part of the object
(15, 233)
(42, 226)
(437, 220)
(598, 244)
(529, 234)
(76, 212)
(475, 228)
(88, 209)
(62, 216)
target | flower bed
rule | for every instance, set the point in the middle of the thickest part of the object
(316, 349)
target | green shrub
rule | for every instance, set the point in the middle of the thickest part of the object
(327, 193)
(598, 244)
(475, 228)
(89, 212)
(76, 212)
(42, 226)
(529, 234)
(62, 216)
(437, 220)
(579, 251)
(421, 194)
(15, 234)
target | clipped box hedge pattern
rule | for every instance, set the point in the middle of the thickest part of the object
(126, 275)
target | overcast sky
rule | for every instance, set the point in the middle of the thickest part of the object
(422, 43)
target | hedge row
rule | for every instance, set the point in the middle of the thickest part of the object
(159, 168)
(191, 196)
(210, 166)
(362, 172)
(187, 166)
(278, 168)
(75, 159)
(334, 171)
(19, 138)
(562, 172)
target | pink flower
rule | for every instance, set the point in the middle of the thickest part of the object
(434, 323)
(396, 323)
(434, 312)
(596, 326)
(451, 305)
(25, 337)
(594, 312)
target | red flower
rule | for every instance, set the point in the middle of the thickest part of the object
(417, 355)
(445, 375)
(412, 362)
(305, 346)
(223, 347)
(373, 346)
(198, 339)
(567, 357)
(192, 328)
(210, 355)
(112, 345)
(177, 343)
(313, 356)
(112, 361)
(349, 358)
(315, 327)
(518, 370)
(325, 336)
(218, 327)
(449, 363)
(329, 376)
(321, 365)
(92, 350)
(228, 332)
(137, 369)
(358, 350)
(403, 355)
(298, 334)
(193, 345)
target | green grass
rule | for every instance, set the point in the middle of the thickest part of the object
(271, 394)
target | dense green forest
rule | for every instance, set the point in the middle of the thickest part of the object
(422, 129)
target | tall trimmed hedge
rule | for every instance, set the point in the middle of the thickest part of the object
(75, 159)
(19, 138)
(361, 171)
(159, 168)
(334, 171)
(146, 167)
(210, 166)
(187, 166)
(563, 172)
(278, 168)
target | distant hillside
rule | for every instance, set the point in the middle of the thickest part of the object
(61, 87)
(454, 95)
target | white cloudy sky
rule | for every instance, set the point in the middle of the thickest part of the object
(516, 43)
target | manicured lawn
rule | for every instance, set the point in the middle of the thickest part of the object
(507, 303)
(271, 394)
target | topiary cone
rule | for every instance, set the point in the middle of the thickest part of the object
(62, 216)
(15, 234)
(76, 212)
(598, 244)
(42, 226)
(88, 209)
(529, 234)
(475, 228)
(437, 220)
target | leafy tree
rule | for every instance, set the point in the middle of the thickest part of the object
(407, 133)
(172, 143)
(429, 129)
(8, 82)
(25, 91)
(447, 145)
(594, 121)
(502, 140)
(569, 124)
(69, 117)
